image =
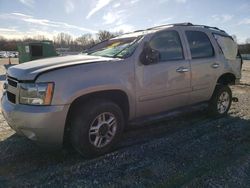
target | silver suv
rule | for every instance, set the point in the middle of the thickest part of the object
(88, 99)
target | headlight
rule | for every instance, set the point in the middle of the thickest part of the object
(36, 93)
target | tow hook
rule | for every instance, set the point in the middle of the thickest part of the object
(235, 99)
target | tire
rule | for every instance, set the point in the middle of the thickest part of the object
(221, 101)
(96, 127)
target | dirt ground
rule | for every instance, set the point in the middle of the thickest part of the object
(189, 150)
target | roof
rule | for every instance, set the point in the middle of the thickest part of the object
(160, 27)
(187, 24)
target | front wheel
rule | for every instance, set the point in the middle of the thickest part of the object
(221, 100)
(96, 127)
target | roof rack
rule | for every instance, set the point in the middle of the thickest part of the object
(209, 27)
(141, 30)
(177, 24)
(187, 24)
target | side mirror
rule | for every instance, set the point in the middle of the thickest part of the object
(149, 55)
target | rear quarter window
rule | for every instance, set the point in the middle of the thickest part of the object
(227, 45)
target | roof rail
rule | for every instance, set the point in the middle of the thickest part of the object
(177, 24)
(183, 24)
(209, 27)
(140, 30)
(187, 24)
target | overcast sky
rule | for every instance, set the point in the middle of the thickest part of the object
(19, 18)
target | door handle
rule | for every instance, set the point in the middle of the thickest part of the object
(215, 65)
(182, 69)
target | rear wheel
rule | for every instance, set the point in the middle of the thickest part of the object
(96, 127)
(221, 100)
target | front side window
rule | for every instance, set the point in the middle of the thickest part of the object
(199, 44)
(168, 44)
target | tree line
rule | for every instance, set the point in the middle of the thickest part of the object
(61, 40)
(244, 48)
(64, 40)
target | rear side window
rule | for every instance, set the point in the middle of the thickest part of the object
(168, 44)
(200, 45)
(227, 46)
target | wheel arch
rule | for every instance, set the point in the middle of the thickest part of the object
(227, 79)
(115, 95)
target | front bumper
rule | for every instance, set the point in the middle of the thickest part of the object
(43, 124)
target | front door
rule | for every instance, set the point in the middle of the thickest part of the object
(166, 84)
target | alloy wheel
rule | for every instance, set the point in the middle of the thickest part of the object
(102, 129)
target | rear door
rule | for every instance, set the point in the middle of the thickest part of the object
(166, 84)
(204, 65)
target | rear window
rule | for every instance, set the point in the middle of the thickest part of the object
(200, 45)
(227, 46)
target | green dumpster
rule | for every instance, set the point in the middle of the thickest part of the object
(35, 50)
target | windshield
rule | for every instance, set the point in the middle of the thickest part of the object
(121, 48)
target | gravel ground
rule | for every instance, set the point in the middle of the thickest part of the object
(191, 150)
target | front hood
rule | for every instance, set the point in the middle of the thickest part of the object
(30, 70)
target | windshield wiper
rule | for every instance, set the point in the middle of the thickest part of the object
(136, 40)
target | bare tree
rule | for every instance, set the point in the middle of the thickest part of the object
(118, 33)
(68, 39)
(40, 37)
(104, 35)
(2, 42)
(244, 48)
(63, 39)
(85, 40)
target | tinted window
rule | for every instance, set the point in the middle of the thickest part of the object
(168, 44)
(200, 45)
(228, 46)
